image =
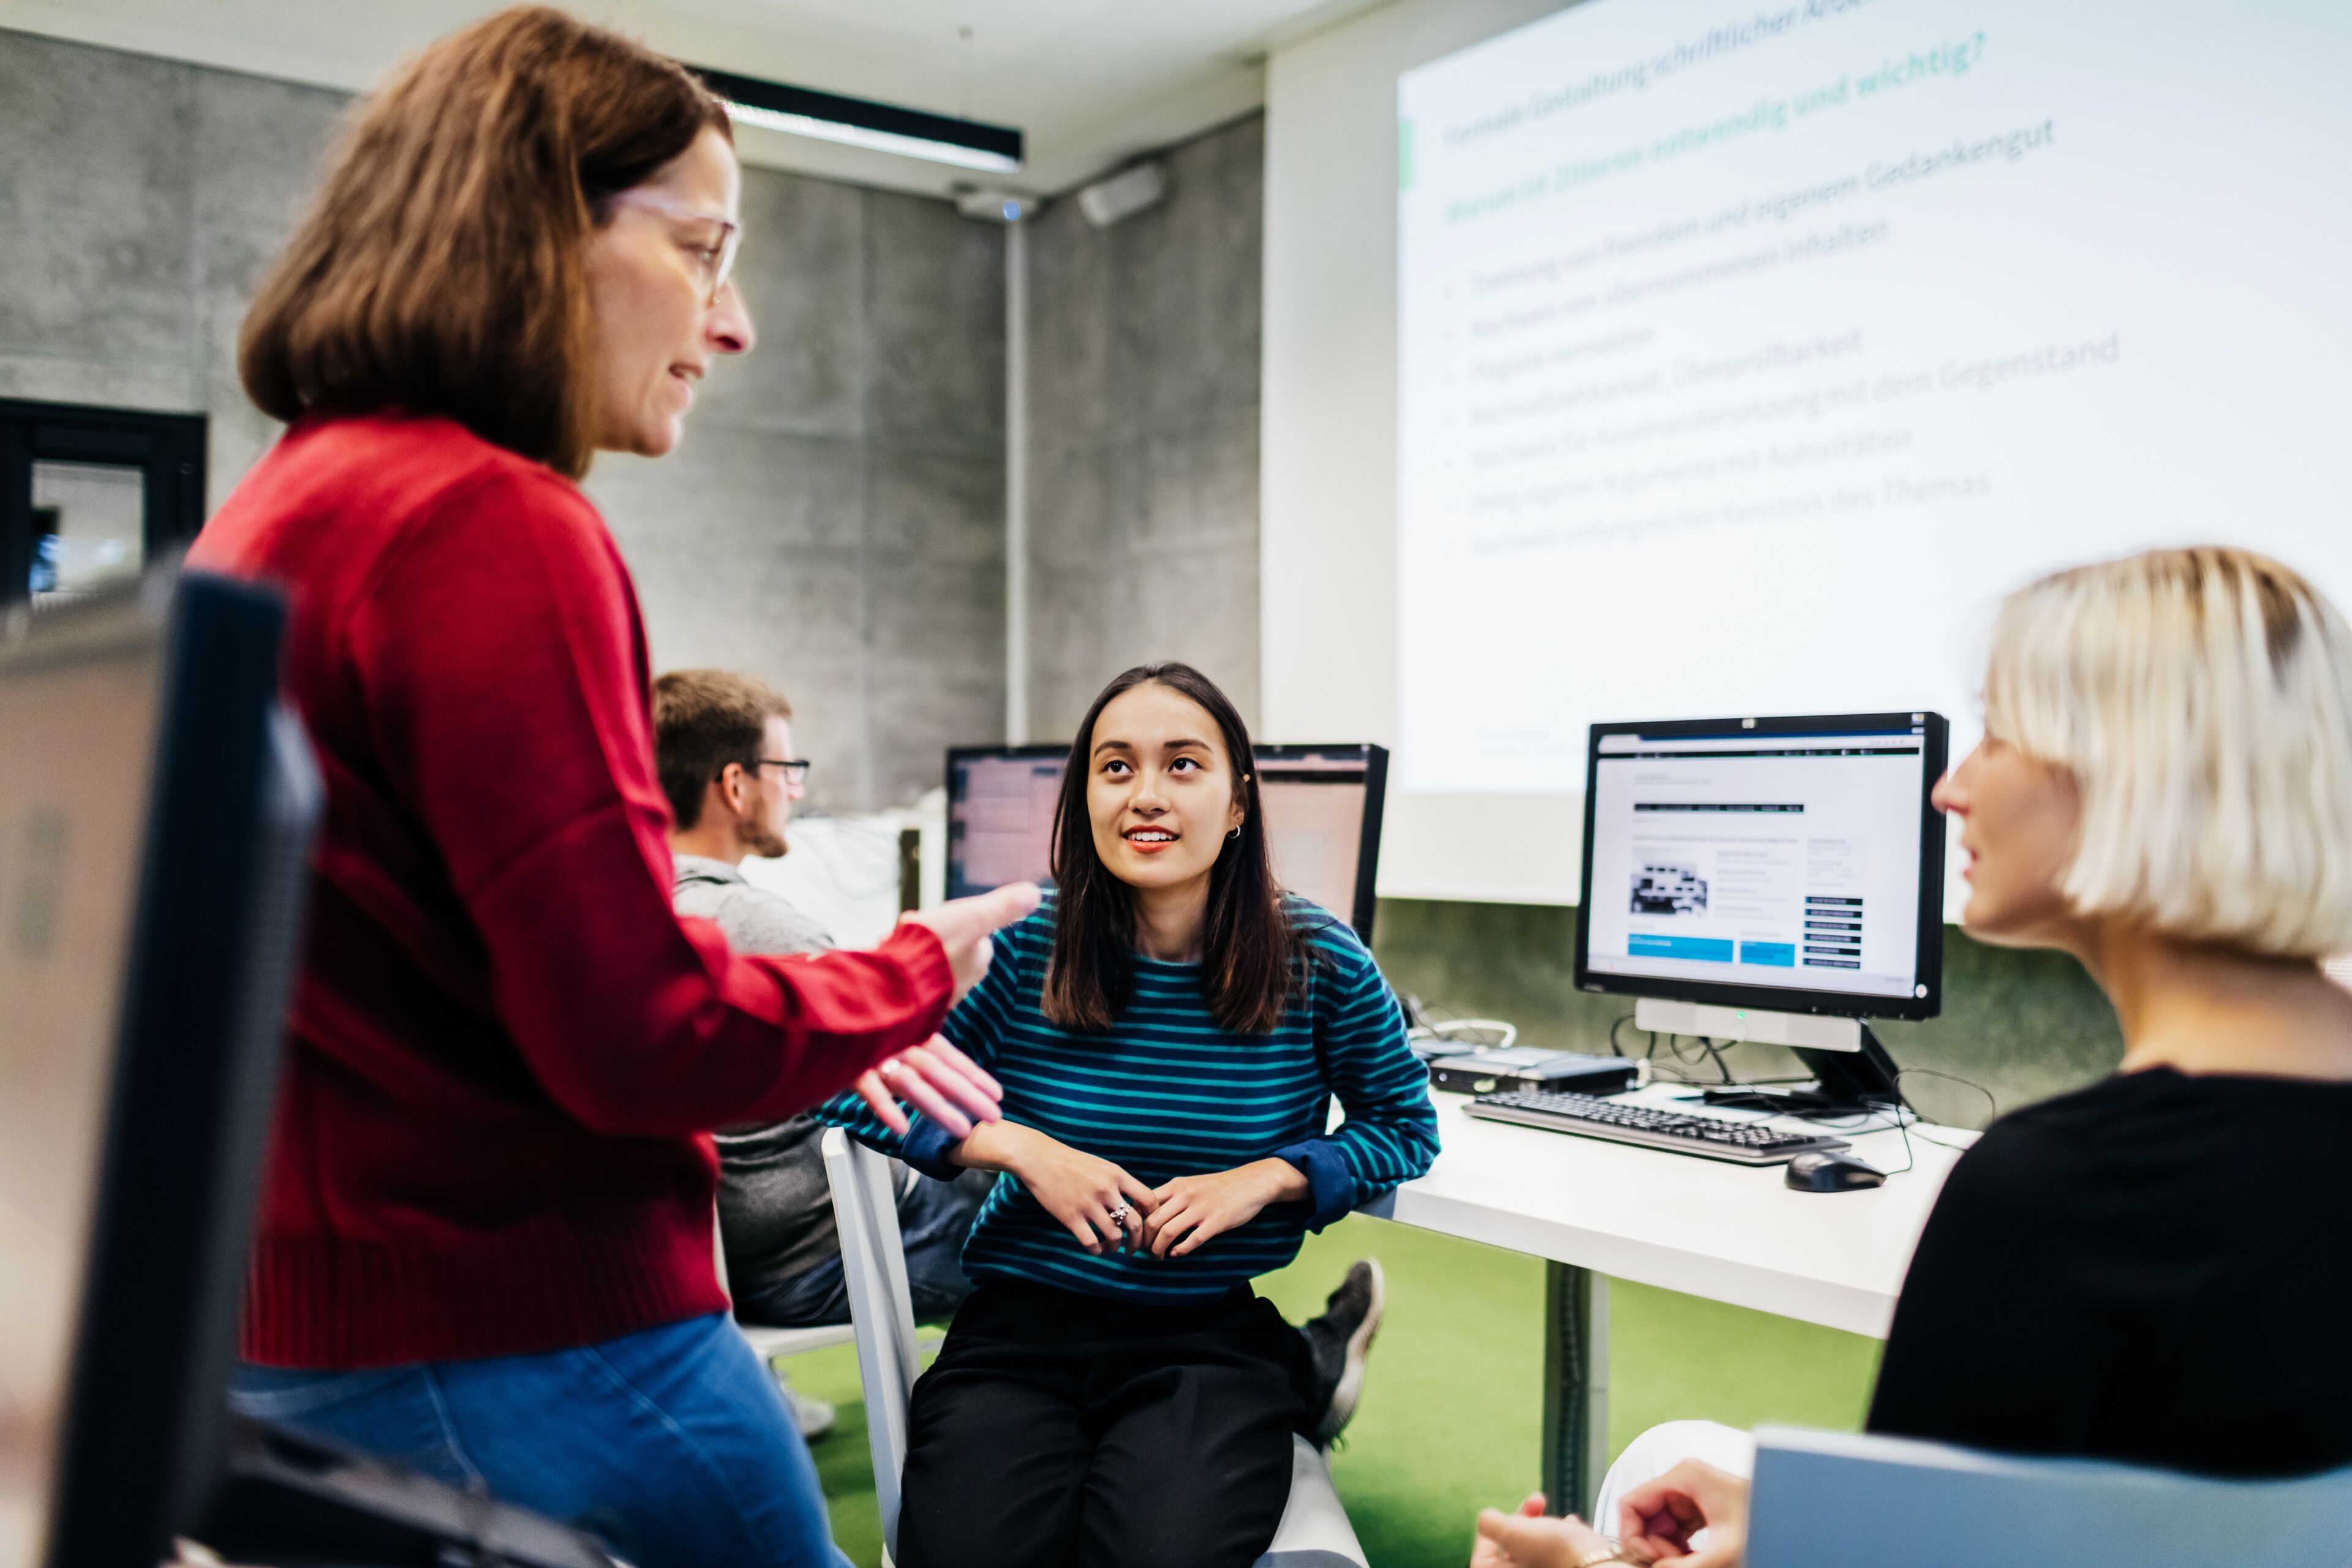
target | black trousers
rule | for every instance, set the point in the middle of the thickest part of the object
(1057, 1430)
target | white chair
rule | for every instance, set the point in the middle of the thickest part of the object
(1314, 1532)
(770, 1343)
(1827, 1500)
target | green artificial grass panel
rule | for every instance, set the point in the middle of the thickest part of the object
(1679, 1358)
(1452, 1416)
(1453, 1409)
(843, 1467)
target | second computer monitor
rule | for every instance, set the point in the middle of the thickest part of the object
(1795, 864)
(1323, 807)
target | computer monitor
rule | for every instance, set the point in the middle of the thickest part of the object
(1001, 804)
(157, 805)
(1762, 867)
(1323, 807)
(155, 809)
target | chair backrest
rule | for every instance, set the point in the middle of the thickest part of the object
(874, 1268)
(1827, 1500)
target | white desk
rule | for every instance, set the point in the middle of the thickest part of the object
(1704, 1227)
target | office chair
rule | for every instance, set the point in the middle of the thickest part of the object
(1313, 1531)
(1824, 1500)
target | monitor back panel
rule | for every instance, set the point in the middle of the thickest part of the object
(1322, 815)
(1000, 815)
(1317, 802)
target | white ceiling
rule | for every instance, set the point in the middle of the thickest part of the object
(1091, 82)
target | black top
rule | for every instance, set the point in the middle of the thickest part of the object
(2156, 1270)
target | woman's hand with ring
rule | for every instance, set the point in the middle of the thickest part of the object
(1095, 1200)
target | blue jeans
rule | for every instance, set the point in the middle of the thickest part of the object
(934, 1218)
(671, 1444)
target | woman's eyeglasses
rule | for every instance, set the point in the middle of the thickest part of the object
(796, 768)
(715, 258)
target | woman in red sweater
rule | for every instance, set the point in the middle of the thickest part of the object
(485, 1237)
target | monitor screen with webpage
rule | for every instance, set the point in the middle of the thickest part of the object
(1789, 864)
(1322, 810)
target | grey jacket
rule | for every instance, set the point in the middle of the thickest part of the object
(775, 1211)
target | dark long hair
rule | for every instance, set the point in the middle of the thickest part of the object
(1251, 959)
(442, 268)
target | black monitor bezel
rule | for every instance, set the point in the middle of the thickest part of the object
(232, 807)
(1375, 759)
(1927, 999)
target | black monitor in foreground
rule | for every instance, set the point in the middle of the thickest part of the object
(1323, 807)
(157, 805)
(1781, 878)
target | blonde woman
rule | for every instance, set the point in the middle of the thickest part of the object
(2152, 1269)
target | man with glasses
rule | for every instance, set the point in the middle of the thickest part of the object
(723, 746)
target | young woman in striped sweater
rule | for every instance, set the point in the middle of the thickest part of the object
(1170, 1029)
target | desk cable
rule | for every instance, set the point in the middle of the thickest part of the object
(1708, 1051)
(1453, 1027)
(1902, 1116)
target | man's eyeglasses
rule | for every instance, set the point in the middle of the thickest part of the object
(715, 258)
(796, 768)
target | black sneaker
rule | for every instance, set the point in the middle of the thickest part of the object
(1339, 1340)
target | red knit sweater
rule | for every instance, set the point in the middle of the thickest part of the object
(505, 1046)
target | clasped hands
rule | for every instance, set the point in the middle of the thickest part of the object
(1656, 1522)
(1104, 1208)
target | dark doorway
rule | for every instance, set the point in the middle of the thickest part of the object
(87, 495)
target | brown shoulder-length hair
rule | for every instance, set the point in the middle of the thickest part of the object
(1251, 960)
(440, 269)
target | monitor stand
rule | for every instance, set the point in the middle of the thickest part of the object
(1853, 1074)
(1845, 1083)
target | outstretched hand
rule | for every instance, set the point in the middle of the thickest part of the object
(962, 926)
(937, 1079)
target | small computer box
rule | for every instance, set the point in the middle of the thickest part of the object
(1496, 1072)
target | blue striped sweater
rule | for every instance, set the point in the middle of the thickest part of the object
(1166, 1092)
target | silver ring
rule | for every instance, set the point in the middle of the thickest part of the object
(888, 1068)
(1119, 1216)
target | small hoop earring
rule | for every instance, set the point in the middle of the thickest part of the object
(1236, 833)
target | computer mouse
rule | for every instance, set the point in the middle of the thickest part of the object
(1832, 1172)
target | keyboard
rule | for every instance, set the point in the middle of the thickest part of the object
(1652, 1126)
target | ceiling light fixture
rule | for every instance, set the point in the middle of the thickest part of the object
(858, 123)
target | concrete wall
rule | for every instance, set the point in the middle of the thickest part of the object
(1143, 374)
(833, 523)
(834, 520)
(139, 200)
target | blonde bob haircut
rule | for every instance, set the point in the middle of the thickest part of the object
(2202, 700)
